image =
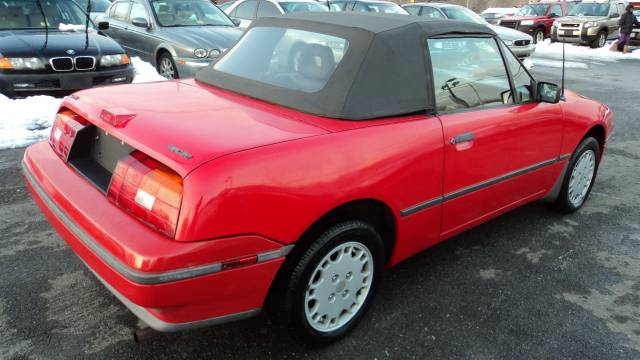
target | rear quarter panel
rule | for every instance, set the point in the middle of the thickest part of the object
(280, 190)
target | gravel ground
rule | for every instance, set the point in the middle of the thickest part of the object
(531, 284)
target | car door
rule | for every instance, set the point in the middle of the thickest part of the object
(118, 13)
(501, 150)
(245, 12)
(613, 22)
(141, 41)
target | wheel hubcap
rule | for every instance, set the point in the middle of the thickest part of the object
(539, 37)
(581, 177)
(166, 68)
(601, 40)
(338, 286)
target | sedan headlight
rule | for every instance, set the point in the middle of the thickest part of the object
(508, 42)
(203, 53)
(526, 22)
(21, 63)
(589, 24)
(114, 60)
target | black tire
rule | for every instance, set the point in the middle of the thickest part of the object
(562, 203)
(166, 57)
(598, 42)
(536, 34)
(290, 302)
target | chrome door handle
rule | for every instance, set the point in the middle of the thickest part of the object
(462, 138)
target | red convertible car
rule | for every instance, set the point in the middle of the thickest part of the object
(319, 150)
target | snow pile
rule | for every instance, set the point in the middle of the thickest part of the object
(144, 72)
(72, 27)
(531, 62)
(581, 53)
(25, 121)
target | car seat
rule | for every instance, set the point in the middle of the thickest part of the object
(316, 63)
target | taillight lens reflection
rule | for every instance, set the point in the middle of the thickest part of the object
(64, 131)
(147, 190)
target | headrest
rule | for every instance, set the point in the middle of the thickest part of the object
(316, 61)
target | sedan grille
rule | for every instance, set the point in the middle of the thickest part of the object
(570, 25)
(85, 62)
(61, 64)
(509, 24)
(521, 42)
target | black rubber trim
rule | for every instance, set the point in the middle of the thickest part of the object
(481, 185)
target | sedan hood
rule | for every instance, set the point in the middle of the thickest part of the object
(35, 42)
(184, 124)
(209, 37)
(510, 34)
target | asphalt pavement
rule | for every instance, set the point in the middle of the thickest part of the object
(531, 284)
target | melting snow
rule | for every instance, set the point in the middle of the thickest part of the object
(581, 53)
(25, 121)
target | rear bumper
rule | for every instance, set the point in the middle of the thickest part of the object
(17, 84)
(148, 279)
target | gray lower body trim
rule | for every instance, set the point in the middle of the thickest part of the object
(131, 274)
(481, 185)
(163, 326)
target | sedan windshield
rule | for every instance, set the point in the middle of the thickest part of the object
(189, 13)
(590, 9)
(291, 7)
(533, 10)
(26, 14)
(463, 14)
(96, 5)
(387, 8)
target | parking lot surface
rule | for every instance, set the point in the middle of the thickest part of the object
(531, 284)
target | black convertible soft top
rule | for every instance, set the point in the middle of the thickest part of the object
(385, 71)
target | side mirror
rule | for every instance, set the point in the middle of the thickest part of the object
(140, 22)
(236, 21)
(103, 25)
(548, 92)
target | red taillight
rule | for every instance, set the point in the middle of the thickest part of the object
(147, 190)
(64, 131)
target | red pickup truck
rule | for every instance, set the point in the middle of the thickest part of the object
(536, 19)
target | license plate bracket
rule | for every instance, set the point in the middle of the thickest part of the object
(76, 82)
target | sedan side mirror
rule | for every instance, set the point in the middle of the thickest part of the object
(548, 92)
(140, 22)
(103, 25)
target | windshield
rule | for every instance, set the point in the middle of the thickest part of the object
(291, 7)
(96, 5)
(26, 14)
(590, 9)
(189, 13)
(463, 14)
(386, 8)
(287, 58)
(533, 10)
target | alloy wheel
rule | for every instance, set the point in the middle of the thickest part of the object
(601, 40)
(338, 286)
(581, 177)
(166, 68)
(539, 37)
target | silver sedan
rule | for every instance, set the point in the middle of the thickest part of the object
(179, 37)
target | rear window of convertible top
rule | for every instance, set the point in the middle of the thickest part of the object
(288, 58)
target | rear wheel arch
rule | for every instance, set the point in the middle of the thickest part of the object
(374, 212)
